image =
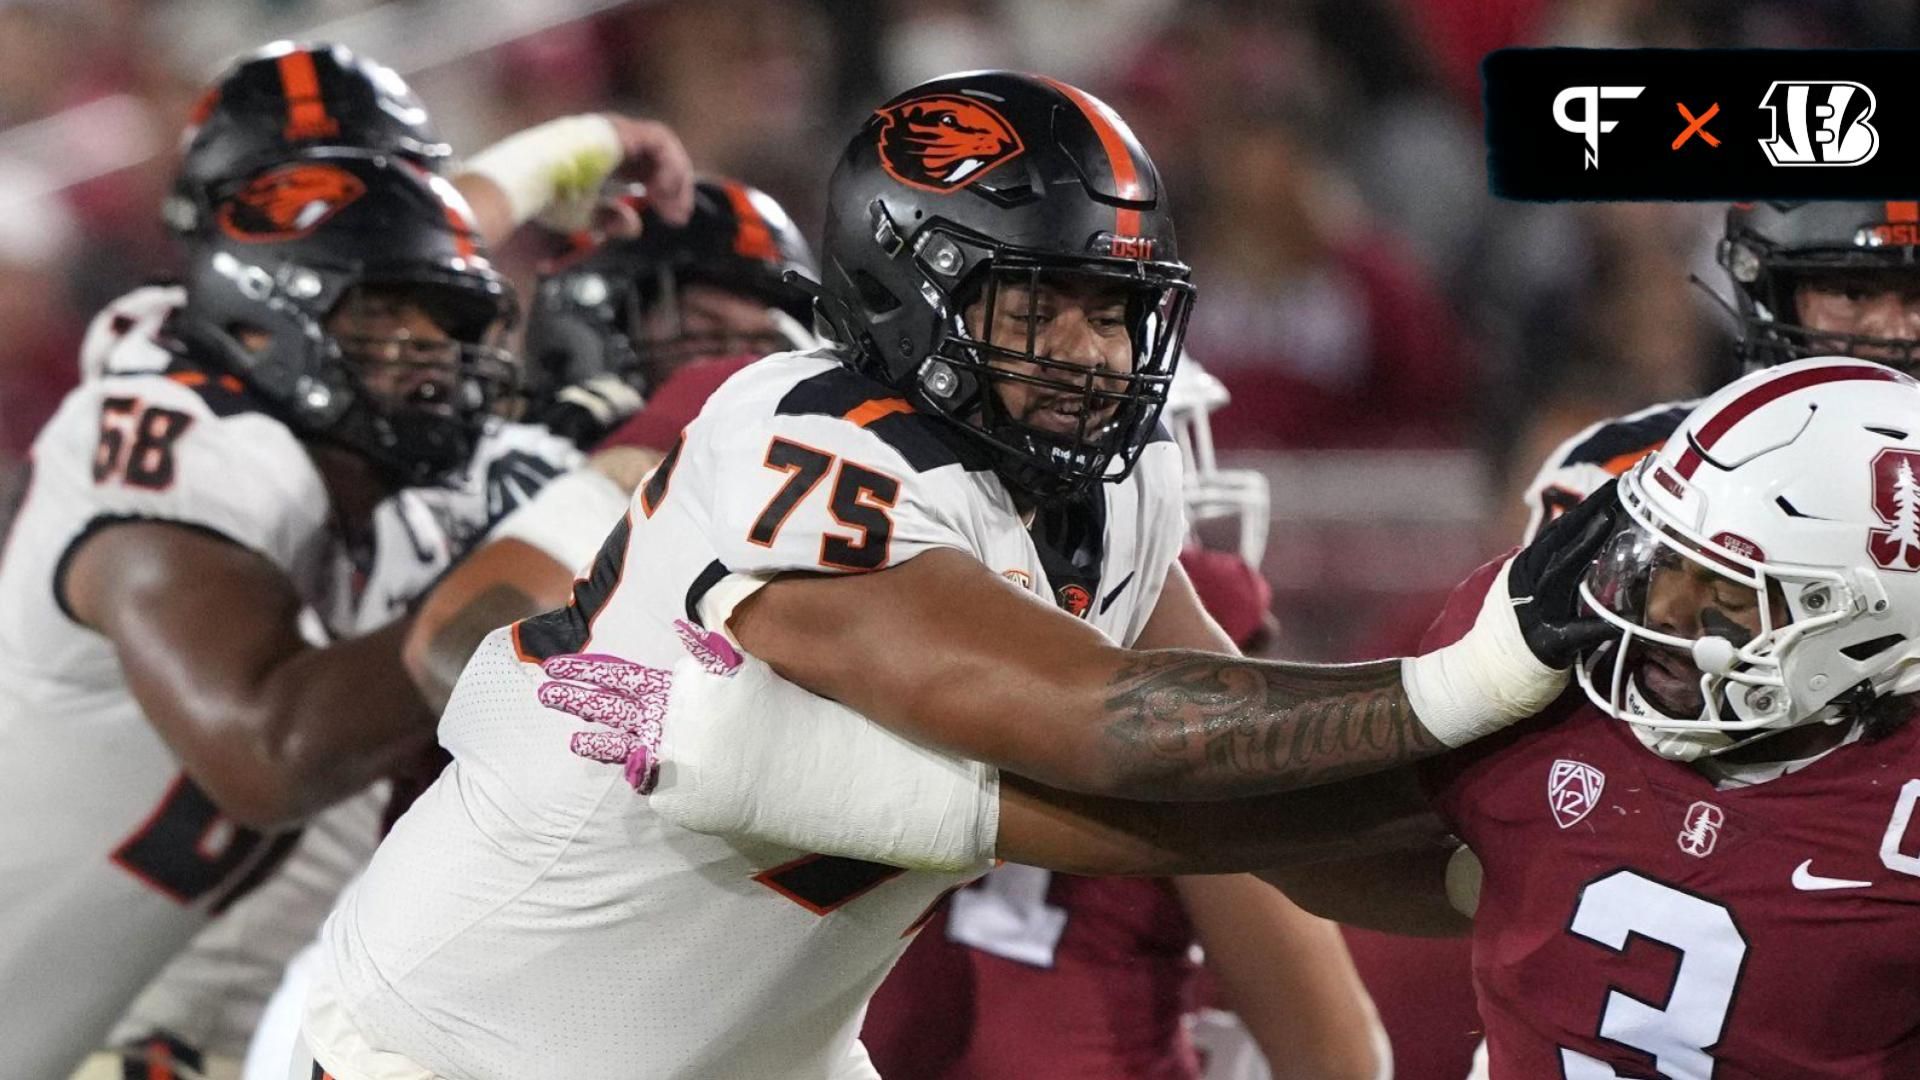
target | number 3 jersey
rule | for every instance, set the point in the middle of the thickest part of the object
(1637, 921)
(530, 917)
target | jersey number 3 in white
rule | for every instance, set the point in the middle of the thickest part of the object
(1680, 1036)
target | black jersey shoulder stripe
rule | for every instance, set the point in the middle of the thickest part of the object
(927, 442)
(1628, 435)
(713, 574)
(569, 629)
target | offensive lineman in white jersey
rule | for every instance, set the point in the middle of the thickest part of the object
(267, 105)
(165, 720)
(958, 519)
(670, 314)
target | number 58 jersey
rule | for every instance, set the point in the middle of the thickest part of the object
(1637, 921)
(110, 858)
(531, 918)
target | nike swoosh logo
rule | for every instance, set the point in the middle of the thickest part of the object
(1806, 880)
(1107, 602)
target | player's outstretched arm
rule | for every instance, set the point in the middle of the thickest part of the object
(208, 633)
(943, 651)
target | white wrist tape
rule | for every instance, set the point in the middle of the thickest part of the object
(752, 755)
(606, 398)
(1483, 682)
(556, 166)
(569, 518)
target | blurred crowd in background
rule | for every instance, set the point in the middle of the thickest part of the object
(1403, 349)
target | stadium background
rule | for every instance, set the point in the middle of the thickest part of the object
(1402, 348)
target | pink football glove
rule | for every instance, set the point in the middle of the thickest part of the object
(629, 698)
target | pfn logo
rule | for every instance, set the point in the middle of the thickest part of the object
(1589, 125)
(1819, 123)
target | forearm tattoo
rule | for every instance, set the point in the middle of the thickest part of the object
(1195, 724)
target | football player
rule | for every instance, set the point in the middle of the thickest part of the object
(668, 314)
(268, 106)
(1807, 279)
(1027, 972)
(1700, 863)
(1751, 813)
(958, 518)
(336, 342)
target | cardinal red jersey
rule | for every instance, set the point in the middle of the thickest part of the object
(1636, 921)
(1030, 973)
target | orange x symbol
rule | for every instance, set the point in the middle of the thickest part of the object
(1697, 125)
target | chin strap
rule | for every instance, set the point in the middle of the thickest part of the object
(1672, 745)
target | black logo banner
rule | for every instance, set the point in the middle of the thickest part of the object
(1702, 124)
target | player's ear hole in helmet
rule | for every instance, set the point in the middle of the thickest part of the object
(641, 307)
(999, 250)
(1825, 278)
(285, 98)
(348, 292)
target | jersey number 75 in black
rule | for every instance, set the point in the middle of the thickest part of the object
(860, 500)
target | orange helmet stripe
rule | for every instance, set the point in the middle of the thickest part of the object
(1106, 124)
(755, 238)
(307, 116)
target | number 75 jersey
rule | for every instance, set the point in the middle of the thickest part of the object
(531, 918)
(1635, 921)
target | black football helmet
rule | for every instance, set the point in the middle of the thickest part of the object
(282, 253)
(966, 184)
(590, 314)
(288, 97)
(1770, 247)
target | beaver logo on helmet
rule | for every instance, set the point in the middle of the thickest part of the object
(289, 202)
(944, 142)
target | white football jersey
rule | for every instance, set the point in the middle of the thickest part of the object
(531, 918)
(109, 857)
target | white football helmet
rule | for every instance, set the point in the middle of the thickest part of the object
(1775, 542)
(1212, 492)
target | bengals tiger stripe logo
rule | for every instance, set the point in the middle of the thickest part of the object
(944, 142)
(289, 202)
